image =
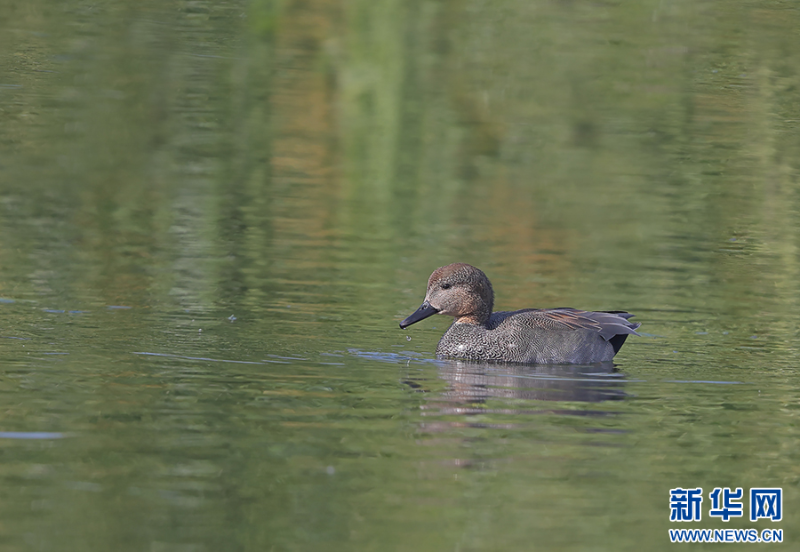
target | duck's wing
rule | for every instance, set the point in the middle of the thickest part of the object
(607, 324)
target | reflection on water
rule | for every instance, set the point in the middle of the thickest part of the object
(476, 382)
(471, 385)
(479, 388)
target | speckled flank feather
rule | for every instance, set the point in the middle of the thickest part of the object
(540, 336)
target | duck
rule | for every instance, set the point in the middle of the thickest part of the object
(530, 336)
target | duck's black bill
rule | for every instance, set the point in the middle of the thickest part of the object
(423, 312)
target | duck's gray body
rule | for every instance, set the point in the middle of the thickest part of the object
(533, 336)
(536, 336)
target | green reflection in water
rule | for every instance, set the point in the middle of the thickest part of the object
(267, 185)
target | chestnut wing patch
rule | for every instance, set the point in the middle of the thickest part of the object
(607, 324)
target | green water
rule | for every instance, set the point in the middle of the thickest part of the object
(214, 214)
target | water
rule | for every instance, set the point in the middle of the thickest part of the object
(213, 215)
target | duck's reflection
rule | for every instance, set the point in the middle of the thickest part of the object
(483, 388)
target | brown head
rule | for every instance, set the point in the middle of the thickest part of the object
(459, 290)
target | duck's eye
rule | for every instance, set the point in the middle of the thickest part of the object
(446, 286)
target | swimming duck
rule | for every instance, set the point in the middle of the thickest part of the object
(535, 336)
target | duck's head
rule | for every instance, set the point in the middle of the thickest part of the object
(459, 290)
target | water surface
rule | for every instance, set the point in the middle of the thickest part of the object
(213, 215)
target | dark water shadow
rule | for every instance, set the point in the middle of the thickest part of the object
(473, 384)
(483, 395)
(477, 382)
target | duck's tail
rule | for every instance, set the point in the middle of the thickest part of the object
(619, 330)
